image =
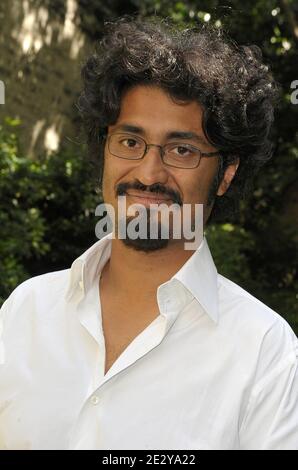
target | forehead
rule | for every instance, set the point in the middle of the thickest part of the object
(153, 109)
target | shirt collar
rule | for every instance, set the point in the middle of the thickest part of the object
(88, 266)
(198, 275)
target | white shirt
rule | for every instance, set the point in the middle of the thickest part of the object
(217, 369)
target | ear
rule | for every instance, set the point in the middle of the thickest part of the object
(228, 177)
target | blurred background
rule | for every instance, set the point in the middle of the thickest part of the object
(49, 189)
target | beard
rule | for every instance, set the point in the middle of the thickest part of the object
(137, 234)
(145, 241)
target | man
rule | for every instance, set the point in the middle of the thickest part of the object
(142, 344)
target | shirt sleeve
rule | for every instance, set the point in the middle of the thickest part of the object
(4, 312)
(8, 312)
(271, 419)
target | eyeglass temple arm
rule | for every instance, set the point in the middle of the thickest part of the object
(210, 154)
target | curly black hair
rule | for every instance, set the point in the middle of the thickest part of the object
(235, 88)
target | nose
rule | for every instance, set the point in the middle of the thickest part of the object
(151, 168)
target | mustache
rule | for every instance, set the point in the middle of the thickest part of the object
(154, 188)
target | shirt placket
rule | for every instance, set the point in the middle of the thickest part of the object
(84, 436)
(86, 431)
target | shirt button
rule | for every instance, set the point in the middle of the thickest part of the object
(94, 400)
(81, 285)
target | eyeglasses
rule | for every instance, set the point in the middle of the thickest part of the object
(176, 154)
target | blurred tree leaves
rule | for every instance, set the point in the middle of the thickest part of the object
(46, 210)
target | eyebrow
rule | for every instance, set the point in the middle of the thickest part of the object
(175, 134)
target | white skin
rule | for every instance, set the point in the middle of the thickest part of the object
(131, 277)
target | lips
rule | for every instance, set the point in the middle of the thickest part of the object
(146, 197)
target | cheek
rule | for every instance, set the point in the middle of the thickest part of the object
(107, 181)
(203, 179)
(194, 189)
(115, 171)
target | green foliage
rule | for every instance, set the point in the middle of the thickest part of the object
(46, 210)
(231, 247)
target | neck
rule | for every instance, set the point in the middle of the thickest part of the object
(132, 274)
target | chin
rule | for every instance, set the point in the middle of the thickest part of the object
(146, 245)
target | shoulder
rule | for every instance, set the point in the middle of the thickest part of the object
(34, 305)
(265, 336)
(243, 306)
(38, 290)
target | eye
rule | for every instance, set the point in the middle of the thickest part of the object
(182, 150)
(129, 142)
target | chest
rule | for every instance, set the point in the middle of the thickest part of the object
(116, 341)
(120, 327)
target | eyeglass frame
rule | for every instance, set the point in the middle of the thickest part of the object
(107, 137)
